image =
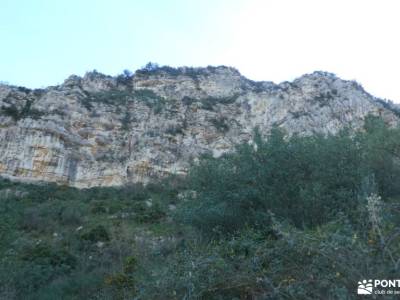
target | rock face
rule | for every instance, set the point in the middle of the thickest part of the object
(102, 131)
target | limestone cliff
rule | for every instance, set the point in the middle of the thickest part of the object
(101, 130)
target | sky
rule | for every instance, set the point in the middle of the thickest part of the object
(45, 41)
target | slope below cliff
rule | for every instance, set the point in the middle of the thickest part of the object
(100, 130)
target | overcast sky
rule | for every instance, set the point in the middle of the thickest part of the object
(44, 41)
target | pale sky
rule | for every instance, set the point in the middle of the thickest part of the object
(44, 41)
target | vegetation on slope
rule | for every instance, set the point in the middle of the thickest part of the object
(117, 97)
(298, 218)
(25, 112)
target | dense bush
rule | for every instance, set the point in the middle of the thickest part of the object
(281, 218)
(151, 99)
(209, 103)
(49, 238)
(111, 97)
(297, 179)
(220, 124)
(123, 97)
(25, 112)
(286, 263)
(96, 234)
(11, 111)
(125, 78)
(381, 155)
(308, 181)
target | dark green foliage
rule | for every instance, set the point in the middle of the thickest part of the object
(154, 68)
(123, 98)
(193, 73)
(145, 95)
(112, 97)
(221, 124)
(71, 215)
(11, 111)
(43, 254)
(150, 67)
(25, 112)
(96, 234)
(157, 107)
(382, 154)
(257, 86)
(146, 213)
(126, 121)
(23, 89)
(188, 100)
(39, 92)
(209, 102)
(151, 99)
(239, 189)
(175, 129)
(49, 238)
(324, 98)
(324, 263)
(390, 106)
(297, 114)
(283, 218)
(125, 78)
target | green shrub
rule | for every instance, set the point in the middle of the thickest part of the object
(149, 213)
(11, 111)
(26, 111)
(111, 97)
(71, 215)
(96, 234)
(239, 189)
(150, 99)
(175, 129)
(44, 254)
(382, 151)
(126, 121)
(220, 124)
(98, 207)
(123, 97)
(32, 219)
(288, 263)
(282, 218)
(209, 102)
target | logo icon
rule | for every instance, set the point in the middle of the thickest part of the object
(365, 287)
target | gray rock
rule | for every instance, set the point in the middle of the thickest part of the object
(99, 131)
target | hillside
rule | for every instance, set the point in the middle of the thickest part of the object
(100, 130)
(291, 218)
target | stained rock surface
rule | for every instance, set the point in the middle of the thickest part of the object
(99, 130)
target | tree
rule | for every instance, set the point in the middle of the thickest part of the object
(307, 180)
(150, 66)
